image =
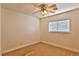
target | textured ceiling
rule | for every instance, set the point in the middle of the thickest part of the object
(28, 8)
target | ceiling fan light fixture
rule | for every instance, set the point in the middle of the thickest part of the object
(46, 8)
(44, 12)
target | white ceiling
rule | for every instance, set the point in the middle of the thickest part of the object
(28, 8)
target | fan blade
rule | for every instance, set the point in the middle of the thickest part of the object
(52, 5)
(55, 8)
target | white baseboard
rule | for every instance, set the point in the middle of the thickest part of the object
(53, 44)
(20, 47)
(61, 46)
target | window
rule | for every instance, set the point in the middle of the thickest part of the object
(59, 26)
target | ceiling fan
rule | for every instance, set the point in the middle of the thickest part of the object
(45, 8)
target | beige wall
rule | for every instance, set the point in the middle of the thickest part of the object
(18, 29)
(0, 29)
(69, 40)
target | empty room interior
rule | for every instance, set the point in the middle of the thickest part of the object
(39, 29)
